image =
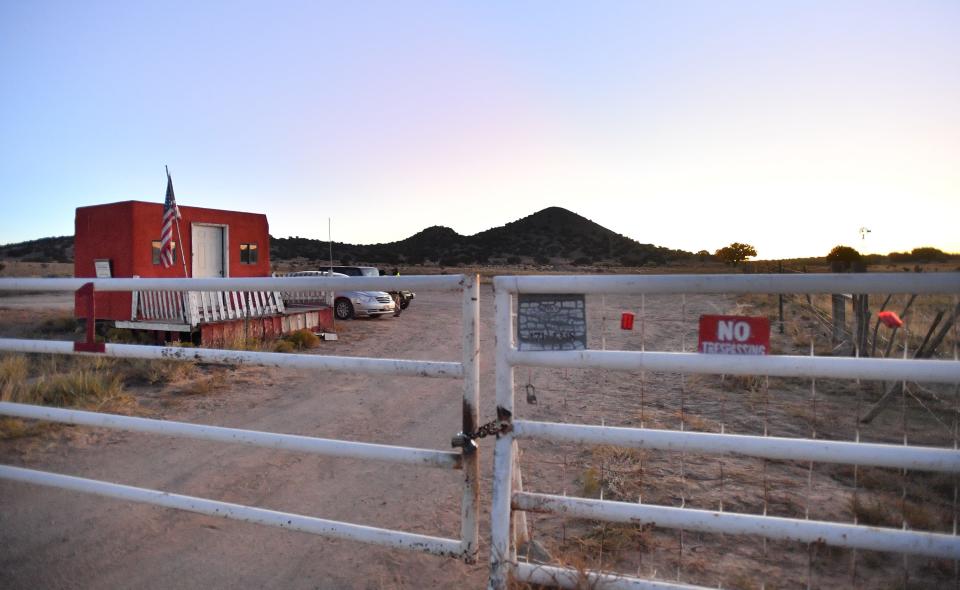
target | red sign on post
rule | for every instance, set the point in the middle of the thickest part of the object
(732, 334)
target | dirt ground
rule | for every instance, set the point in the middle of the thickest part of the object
(59, 539)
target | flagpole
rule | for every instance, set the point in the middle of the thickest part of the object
(176, 219)
(182, 257)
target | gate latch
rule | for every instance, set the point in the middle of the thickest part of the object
(467, 440)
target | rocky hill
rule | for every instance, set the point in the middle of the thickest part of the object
(553, 234)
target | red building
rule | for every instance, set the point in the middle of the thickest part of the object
(122, 240)
(125, 238)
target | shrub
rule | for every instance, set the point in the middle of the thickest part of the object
(283, 346)
(58, 326)
(303, 339)
(633, 259)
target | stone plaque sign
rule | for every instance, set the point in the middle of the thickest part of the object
(551, 322)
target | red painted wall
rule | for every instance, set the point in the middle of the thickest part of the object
(123, 232)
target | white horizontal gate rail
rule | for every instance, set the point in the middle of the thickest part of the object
(503, 561)
(466, 370)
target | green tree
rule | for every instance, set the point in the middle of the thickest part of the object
(928, 254)
(735, 253)
(844, 258)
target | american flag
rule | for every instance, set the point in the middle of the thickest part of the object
(170, 214)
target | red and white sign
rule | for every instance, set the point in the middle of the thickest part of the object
(732, 334)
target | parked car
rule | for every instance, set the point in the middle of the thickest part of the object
(404, 297)
(350, 304)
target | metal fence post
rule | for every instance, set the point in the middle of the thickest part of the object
(469, 510)
(503, 453)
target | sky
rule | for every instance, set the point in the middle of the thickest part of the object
(786, 125)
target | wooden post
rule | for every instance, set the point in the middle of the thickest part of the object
(780, 299)
(839, 318)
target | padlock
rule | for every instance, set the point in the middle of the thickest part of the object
(466, 443)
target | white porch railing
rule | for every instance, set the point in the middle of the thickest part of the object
(203, 307)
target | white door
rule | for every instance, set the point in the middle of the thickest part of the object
(207, 251)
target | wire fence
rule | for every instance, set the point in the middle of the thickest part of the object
(903, 413)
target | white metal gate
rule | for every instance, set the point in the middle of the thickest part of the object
(466, 370)
(510, 502)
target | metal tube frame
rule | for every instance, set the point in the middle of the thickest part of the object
(295, 522)
(468, 370)
(503, 563)
(771, 527)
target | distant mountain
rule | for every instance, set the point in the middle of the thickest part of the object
(551, 235)
(58, 249)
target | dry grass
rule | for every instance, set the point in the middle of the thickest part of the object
(158, 372)
(14, 370)
(873, 512)
(95, 383)
(75, 382)
(205, 384)
(78, 388)
(17, 268)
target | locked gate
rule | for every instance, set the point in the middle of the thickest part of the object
(510, 502)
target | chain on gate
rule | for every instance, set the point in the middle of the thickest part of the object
(467, 440)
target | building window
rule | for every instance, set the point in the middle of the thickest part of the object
(156, 251)
(248, 254)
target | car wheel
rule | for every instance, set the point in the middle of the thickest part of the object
(343, 309)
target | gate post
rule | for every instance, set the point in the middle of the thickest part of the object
(87, 295)
(503, 452)
(839, 318)
(470, 507)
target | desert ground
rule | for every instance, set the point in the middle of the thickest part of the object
(60, 539)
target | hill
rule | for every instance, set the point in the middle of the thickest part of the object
(58, 249)
(549, 235)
